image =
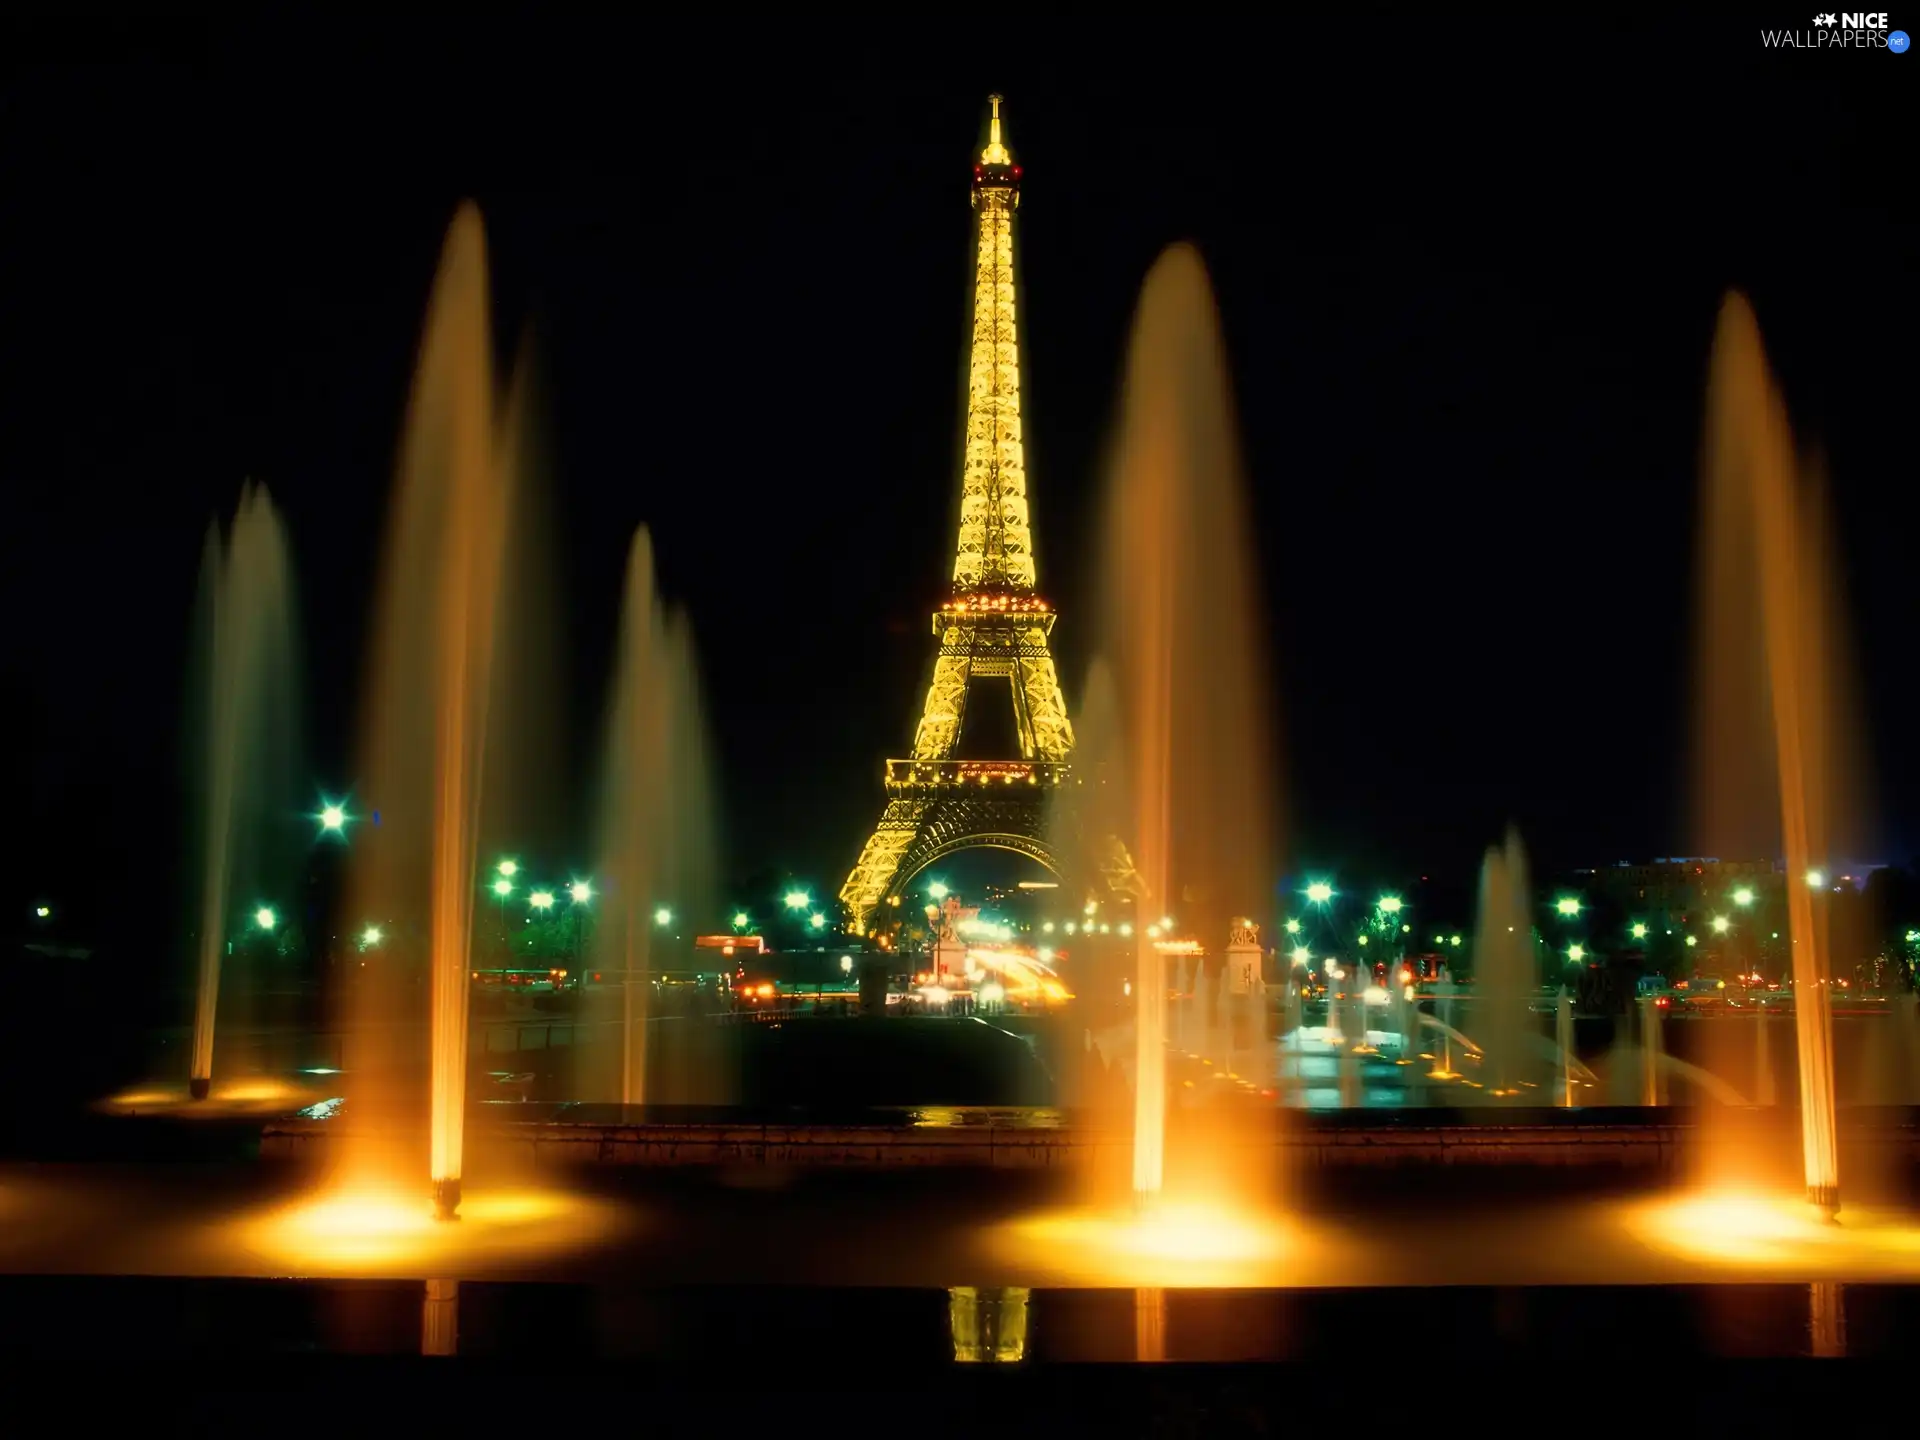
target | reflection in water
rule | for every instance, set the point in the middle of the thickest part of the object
(990, 1325)
(1757, 1233)
(1827, 1318)
(1149, 1324)
(440, 1318)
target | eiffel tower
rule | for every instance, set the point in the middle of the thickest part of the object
(993, 623)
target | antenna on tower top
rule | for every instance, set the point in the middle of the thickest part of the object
(995, 153)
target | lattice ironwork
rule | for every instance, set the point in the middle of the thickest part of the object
(993, 625)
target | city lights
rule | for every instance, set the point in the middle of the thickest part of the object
(663, 916)
(508, 868)
(333, 817)
(937, 890)
(1639, 930)
(581, 892)
(265, 918)
(798, 900)
(370, 937)
(846, 964)
(740, 920)
(1576, 953)
(43, 911)
(1743, 896)
(1301, 955)
(1692, 940)
(1293, 927)
(503, 888)
(1816, 879)
(1389, 904)
(1567, 905)
(819, 921)
(541, 900)
(1721, 924)
(1319, 892)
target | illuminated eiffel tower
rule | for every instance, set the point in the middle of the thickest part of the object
(993, 624)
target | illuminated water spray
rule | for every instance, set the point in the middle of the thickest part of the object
(1182, 637)
(435, 649)
(1774, 698)
(247, 614)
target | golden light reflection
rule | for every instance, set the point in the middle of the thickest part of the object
(1757, 1231)
(392, 1228)
(250, 1093)
(1170, 1244)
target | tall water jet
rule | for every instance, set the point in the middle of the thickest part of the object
(1182, 635)
(1504, 974)
(1773, 700)
(656, 848)
(432, 683)
(246, 624)
(1563, 1038)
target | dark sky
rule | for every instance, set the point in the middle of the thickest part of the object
(1468, 272)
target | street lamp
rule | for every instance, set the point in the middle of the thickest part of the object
(1576, 953)
(1639, 930)
(663, 916)
(581, 892)
(1389, 904)
(846, 964)
(1721, 924)
(1567, 905)
(370, 937)
(937, 890)
(541, 900)
(43, 911)
(265, 918)
(798, 900)
(333, 817)
(508, 868)
(1319, 892)
(1816, 879)
(1293, 927)
(819, 921)
(503, 888)
(1743, 896)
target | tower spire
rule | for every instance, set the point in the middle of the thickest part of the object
(995, 549)
(995, 153)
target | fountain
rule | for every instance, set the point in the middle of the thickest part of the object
(246, 598)
(1563, 1037)
(1770, 721)
(1504, 974)
(433, 679)
(656, 856)
(1183, 601)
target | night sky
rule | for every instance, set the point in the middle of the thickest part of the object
(1468, 273)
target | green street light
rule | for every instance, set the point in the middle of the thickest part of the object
(1300, 955)
(1576, 953)
(1319, 892)
(1692, 940)
(1816, 879)
(937, 890)
(1389, 904)
(819, 921)
(503, 888)
(663, 916)
(541, 900)
(333, 817)
(1567, 905)
(1455, 941)
(740, 920)
(581, 892)
(43, 911)
(798, 900)
(265, 918)
(370, 937)
(1743, 896)
(1639, 930)
(1721, 924)
(508, 868)
(1293, 927)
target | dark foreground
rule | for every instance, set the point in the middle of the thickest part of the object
(315, 1354)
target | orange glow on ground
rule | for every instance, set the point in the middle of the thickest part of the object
(250, 1094)
(1759, 1232)
(391, 1229)
(1171, 1244)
